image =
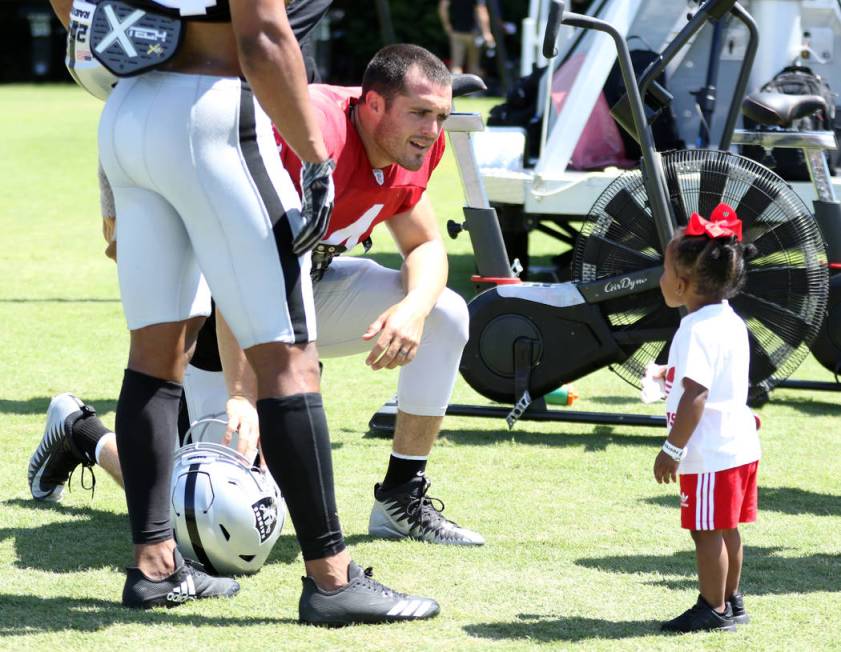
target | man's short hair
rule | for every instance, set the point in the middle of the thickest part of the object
(386, 72)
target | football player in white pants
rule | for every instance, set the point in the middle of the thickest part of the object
(196, 180)
(406, 319)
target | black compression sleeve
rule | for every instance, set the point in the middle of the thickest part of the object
(296, 444)
(146, 425)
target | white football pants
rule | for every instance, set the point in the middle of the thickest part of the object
(352, 294)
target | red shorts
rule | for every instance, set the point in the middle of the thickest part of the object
(720, 500)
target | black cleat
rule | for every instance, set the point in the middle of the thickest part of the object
(56, 456)
(188, 582)
(361, 600)
(736, 604)
(406, 512)
(701, 618)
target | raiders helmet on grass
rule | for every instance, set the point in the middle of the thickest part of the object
(226, 514)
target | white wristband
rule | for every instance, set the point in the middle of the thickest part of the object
(677, 454)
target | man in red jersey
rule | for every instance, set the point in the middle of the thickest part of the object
(386, 140)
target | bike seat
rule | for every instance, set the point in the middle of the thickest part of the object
(466, 84)
(780, 109)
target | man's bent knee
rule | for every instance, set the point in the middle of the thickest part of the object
(451, 316)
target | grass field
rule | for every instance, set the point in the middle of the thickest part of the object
(584, 548)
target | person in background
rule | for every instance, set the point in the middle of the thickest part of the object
(468, 27)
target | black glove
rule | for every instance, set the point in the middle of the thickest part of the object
(317, 196)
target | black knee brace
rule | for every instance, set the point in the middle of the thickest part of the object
(146, 425)
(296, 444)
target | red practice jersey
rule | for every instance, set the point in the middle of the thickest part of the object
(364, 196)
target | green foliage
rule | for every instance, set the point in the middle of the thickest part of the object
(584, 549)
(357, 31)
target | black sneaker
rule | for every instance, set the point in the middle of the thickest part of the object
(56, 456)
(362, 600)
(407, 512)
(188, 582)
(736, 603)
(701, 618)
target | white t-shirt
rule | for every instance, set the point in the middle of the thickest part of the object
(711, 347)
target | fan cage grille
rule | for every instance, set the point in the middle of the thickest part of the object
(785, 295)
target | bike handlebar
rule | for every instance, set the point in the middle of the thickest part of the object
(553, 26)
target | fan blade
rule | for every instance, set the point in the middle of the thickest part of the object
(675, 194)
(614, 258)
(761, 365)
(663, 317)
(788, 326)
(631, 304)
(632, 225)
(779, 237)
(759, 196)
(714, 171)
(777, 281)
(663, 356)
(638, 336)
(658, 324)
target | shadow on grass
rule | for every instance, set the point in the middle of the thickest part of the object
(810, 406)
(39, 405)
(598, 440)
(631, 401)
(97, 539)
(29, 614)
(786, 500)
(547, 629)
(93, 539)
(287, 551)
(767, 572)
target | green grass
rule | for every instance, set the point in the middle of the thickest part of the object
(584, 548)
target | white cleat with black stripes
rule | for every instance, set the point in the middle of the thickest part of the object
(407, 512)
(362, 600)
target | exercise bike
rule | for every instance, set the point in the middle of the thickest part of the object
(786, 121)
(526, 339)
(773, 113)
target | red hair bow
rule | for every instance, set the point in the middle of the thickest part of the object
(723, 223)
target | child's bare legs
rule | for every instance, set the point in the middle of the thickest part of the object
(711, 555)
(735, 554)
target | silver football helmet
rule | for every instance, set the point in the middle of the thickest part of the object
(84, 68)
(226, 514)
(210, 429)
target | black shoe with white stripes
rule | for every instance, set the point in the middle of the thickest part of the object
(362, 600)
(188, 582)
(408, 512)
(56, 456)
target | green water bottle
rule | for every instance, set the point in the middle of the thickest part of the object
(563, 395)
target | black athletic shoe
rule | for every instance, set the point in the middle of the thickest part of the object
(407, 512)
(701, 618)
(188, 582)
(56, 456)
(361, 600)
(736, 603)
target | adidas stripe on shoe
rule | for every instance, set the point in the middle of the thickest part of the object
(361, 600)
(188, 582)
